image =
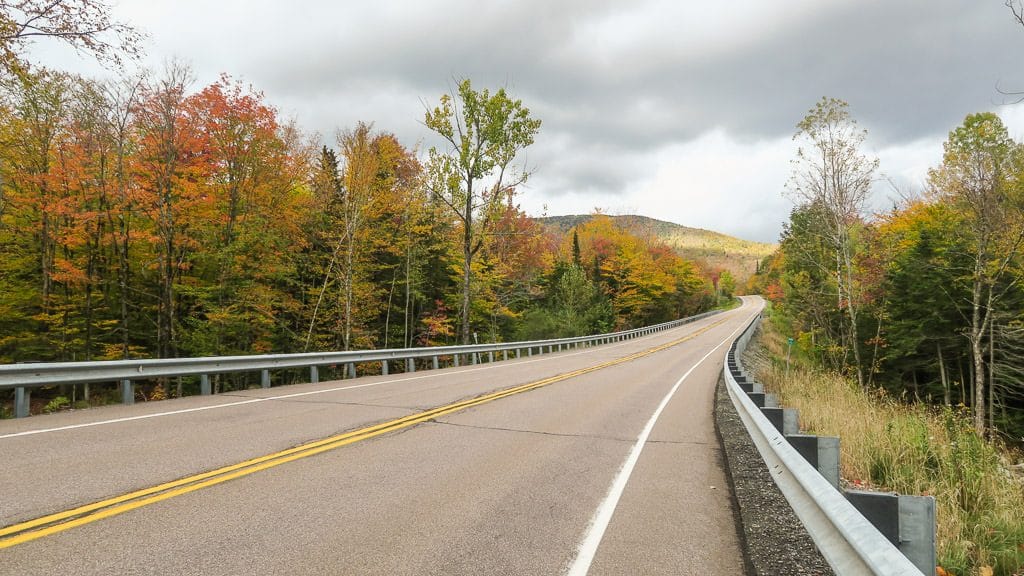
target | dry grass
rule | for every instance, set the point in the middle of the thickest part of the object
(913, 449)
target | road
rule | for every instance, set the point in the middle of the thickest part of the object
(601, 460)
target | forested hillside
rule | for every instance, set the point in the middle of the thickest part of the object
(147, 218)
(712, 250)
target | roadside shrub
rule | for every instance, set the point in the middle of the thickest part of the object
(58, 403)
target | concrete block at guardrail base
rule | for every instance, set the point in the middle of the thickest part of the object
(785, 420)
(822, 452)
(907, 521)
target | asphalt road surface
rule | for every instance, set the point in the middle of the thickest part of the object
(600, 460)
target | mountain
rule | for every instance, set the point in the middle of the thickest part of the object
(713, 249)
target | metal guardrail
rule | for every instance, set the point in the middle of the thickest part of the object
(23, 377)
(847, 540)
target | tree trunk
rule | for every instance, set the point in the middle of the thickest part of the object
(407, 326)
(977, 351)
(942, 375)
(991, 374)
(349, 257)
(467, 261)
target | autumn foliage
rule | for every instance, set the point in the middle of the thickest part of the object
(142, 218)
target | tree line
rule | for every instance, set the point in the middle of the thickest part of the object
(141, 218)
(925, 300)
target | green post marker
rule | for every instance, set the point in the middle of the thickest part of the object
(789, 349)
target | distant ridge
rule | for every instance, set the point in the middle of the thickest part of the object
(710, 248)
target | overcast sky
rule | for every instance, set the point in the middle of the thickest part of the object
(682, 111)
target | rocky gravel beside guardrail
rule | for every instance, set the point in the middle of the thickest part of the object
(774, 540)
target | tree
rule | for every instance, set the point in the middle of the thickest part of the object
(979, 165)
(85, 25)
(31, 206)
(726, 285)
(247, 244)
(834, 177)
(474, 174)
(925, 297)
(172, 156)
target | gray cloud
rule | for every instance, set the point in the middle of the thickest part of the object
(614, 82)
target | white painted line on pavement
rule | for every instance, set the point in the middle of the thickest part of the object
(587, 549)
(542, 358)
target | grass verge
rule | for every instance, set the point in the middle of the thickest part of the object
(891, 445)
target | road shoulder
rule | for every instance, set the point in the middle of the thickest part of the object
(773, 539)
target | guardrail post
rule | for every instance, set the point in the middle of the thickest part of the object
(455, 360)
(384, 367)
(749, 387)
(821, 452)
(473, 358)
(314, 374)
(758, 398)
(204, 384)
(504, 354)
(21, 398)
(127, 392)
(410, 365)
(906, 521)
(784, 419)
(435, 362)
(490, 356)
(351, 369)
(529, 352)
(917, 531)
(265, 378)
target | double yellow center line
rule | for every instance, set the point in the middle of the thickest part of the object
(54, 523)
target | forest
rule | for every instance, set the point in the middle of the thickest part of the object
(142, 218)
(924, 301)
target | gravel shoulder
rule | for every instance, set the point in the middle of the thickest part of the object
(773, 539)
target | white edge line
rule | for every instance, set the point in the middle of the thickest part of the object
(434, 374)
(587, 548)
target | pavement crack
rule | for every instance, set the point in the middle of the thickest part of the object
(535, 432)
(412, 410)
(680, 442)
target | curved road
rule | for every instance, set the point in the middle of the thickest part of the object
(601, 460)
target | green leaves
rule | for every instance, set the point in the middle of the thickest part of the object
(473, 173)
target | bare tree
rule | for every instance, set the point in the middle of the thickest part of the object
(832, 176)
(85, 25)
(1017, 7)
